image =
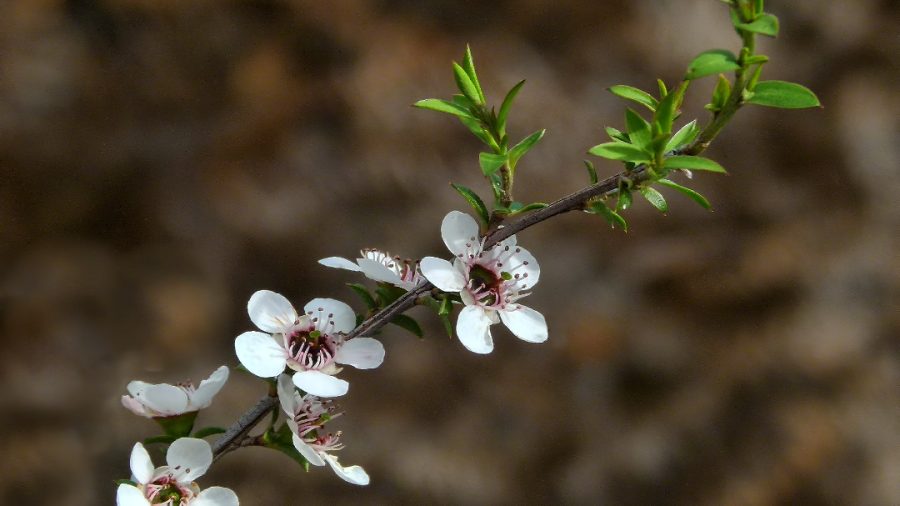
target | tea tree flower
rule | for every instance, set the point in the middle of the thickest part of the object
(312, 344)
(163, 400)
(173, 484)
(489, 281)
(381, 266)
(307, 416)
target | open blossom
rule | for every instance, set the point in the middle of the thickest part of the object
(312, 344)
(161, 400)
(307, 416)
(381, 266)
(173, 484)
(490, 282)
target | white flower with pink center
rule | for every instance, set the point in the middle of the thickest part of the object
(307, 416)
(173, 484)
(162, 400)
(312, 344)
(380, 266)
(489, 281)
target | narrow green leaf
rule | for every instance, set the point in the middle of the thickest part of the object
(758, 6)
(490, 162)
(469, 66)
(448, 325)
(364, 294)
(613, 218)
(692, 163)
(620, 151)
(407, 323)
(634, 94)
(444, 106)
(387, 293)
(655, 199)
(592, 172)
(755, 59)
(465, 84)
(696, 197)
(528, 207)
(765, 24)
(524, 146)
(616, 134)
(711, 62)
(507, 105)
(623, 200)
(784, 95)
(663, 91)
(474, 200)
(638, 129)
(683, 136)
(721, 93)
(665, 114)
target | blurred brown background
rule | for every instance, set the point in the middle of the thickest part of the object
(161, 160)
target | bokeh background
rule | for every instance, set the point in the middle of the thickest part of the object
(161, 160)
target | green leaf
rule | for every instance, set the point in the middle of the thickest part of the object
(469, 66)
(407, 323)
(711, 62)
(160, 440)
(465, 84)
(757, 6)
(207, 431)
(665, 113)
(766, 24)
(720, 93)
(524, 208)
(364, 294)
(613, 218)
(696, 197)
(638, 129)
(655, 198)
(388, 293)
(620, 151)
(692, 163)
(634, 94)
(623, 201)
(506, 105)
(282, 440)
(784, 95)
(685, 135)
(616, 134)
(592, 172)
(474, 200)
(444, 106)
(663, 91)
(490, 162)
(524, 146)
(177, 425)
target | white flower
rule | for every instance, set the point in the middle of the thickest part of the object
(489, 283)
(173, 484)
(307, 416)
(311, 344)
(381, 266)
(162, 400)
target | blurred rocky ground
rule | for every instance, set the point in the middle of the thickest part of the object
(161, 160)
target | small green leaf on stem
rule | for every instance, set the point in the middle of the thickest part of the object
(693, 163)
(503, 113)
(592, 172)
(623, 201)
(784, 95)
(474, 200)
(634, 94)
(616, 135)
(683, 136)
(490, 162)
(364, 294)
(160, 440)
(720, 94)
(711, 62)
(655, 199)
(613, 218)
(407, 323)
(692, 194)
(523, 147)
(469, 66)
(620, 151)
(436, 104)
(638, 129)
(465, 84)
(765, 24)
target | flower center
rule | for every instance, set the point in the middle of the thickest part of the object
(310, 348)
(485, 285)
(168, 492)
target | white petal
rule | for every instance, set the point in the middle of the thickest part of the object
(188, 458)
(361, 353)
(287, 395)
(308, 453)
(271, 311)
(522, 263)
(141, 465)
(457, 230)
(216, 496)
(260, 354)
(163, 398)
(473, 329)
(526, 323)
(341, 314)
(378, 271)
(203, 396)
(135, 406)
(128, 495)
(442, 274)
(339, 263)
(320, 384)
(353, 474)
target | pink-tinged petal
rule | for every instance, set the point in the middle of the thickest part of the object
(526, 323)
(216, 496)
(457, 230)
(378, 271)
(135, 406)
(442, 274)
(260, 354)
(352, 474)
(320, 384)
(361, 353)
(203, 396)
(287, 395)
(474, 330)
(128, 495)
(341, 314)
(164, 399)
(308, 453)
(141, 465)
(526, 267)
(271, 311)
(339, 263)
(189, 458)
